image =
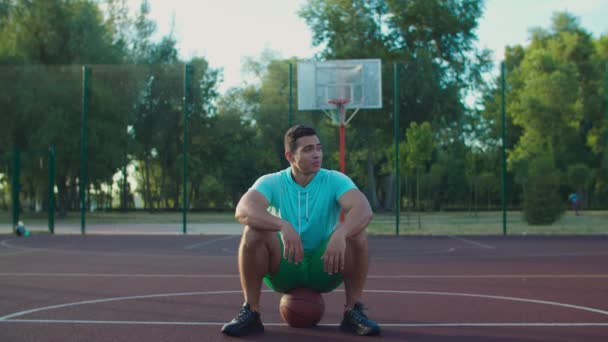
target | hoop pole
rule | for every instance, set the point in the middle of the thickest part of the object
(342, 148)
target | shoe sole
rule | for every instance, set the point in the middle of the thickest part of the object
(256, 330)
(349, 329)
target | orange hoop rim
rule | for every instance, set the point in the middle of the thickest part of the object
(339, 102)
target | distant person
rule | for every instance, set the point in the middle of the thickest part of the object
(574, 202)
(302, 243)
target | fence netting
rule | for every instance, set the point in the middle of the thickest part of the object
(133, 145)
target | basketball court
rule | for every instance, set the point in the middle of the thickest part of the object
(183, 288)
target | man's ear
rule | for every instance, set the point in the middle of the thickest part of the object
(289, 156)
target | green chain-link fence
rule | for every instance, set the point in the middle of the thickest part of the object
(123, 156)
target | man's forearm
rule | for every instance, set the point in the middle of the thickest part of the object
(260, 220)
(356, 220)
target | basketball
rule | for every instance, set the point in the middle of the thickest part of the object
(302, 308)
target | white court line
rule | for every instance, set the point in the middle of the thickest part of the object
(371, 276)
(454, 294)
(549, 255)
(99, 253)
(471, 242)
(398, 325)
(115, 275)
(492, 276)
(208, 242)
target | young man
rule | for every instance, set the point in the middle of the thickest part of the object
(303, 243)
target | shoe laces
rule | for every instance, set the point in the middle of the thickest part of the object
(358, 314)
(245, 312)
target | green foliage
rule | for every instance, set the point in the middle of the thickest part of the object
(579, 176)
(431, 41)
(418, 150)
(556, 105)
(542, 203)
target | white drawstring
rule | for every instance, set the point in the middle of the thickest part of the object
(306, 205)
(300, 210)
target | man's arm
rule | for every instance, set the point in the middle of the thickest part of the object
(358, 215)
(252, 211)
(358, 212)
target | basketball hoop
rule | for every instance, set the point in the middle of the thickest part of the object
(335, 86)
(340, 105)
(338, 102)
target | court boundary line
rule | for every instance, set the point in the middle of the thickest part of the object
(199, 293)
(208, 242)
(371, 276)
(471, 242)
(398, 325)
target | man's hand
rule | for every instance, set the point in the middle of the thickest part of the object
(292, 244)
(333, 259)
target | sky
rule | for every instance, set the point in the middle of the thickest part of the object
(227, 31)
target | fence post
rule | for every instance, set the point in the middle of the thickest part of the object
(504, 153)
(83, 144)
(396, 124)
(16, 185)
(52, 190)
(290, 95)
(185, 147)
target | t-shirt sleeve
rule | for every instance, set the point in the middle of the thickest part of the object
(342, 183)
(265, 186)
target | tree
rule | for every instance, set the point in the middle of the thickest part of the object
(553, 101)
(542, 204)
(579, 178)
(418, 149)
(53, 32)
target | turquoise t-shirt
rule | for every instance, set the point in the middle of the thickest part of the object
(313, 210)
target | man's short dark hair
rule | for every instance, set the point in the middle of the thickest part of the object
(294, 133)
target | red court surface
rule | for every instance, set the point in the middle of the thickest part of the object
(183, 288)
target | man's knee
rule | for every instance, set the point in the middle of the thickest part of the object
(253, 238)
(358, 241)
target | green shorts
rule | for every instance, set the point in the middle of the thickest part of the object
(308, 273)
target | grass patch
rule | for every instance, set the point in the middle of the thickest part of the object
(435, 223)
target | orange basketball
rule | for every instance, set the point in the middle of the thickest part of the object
(302, 308)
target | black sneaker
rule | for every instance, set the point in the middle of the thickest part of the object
(245, 323)
(355, 321)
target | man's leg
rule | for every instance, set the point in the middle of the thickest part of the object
(259, 254)
(355, 268)
(355, 274)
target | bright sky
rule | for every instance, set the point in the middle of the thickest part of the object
(226, 31)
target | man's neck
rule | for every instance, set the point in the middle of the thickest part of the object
(301, 178)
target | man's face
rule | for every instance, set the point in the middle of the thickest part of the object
(308, 155)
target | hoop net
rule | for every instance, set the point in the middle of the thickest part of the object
(338, 102)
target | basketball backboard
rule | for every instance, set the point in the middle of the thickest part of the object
(355, 82)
